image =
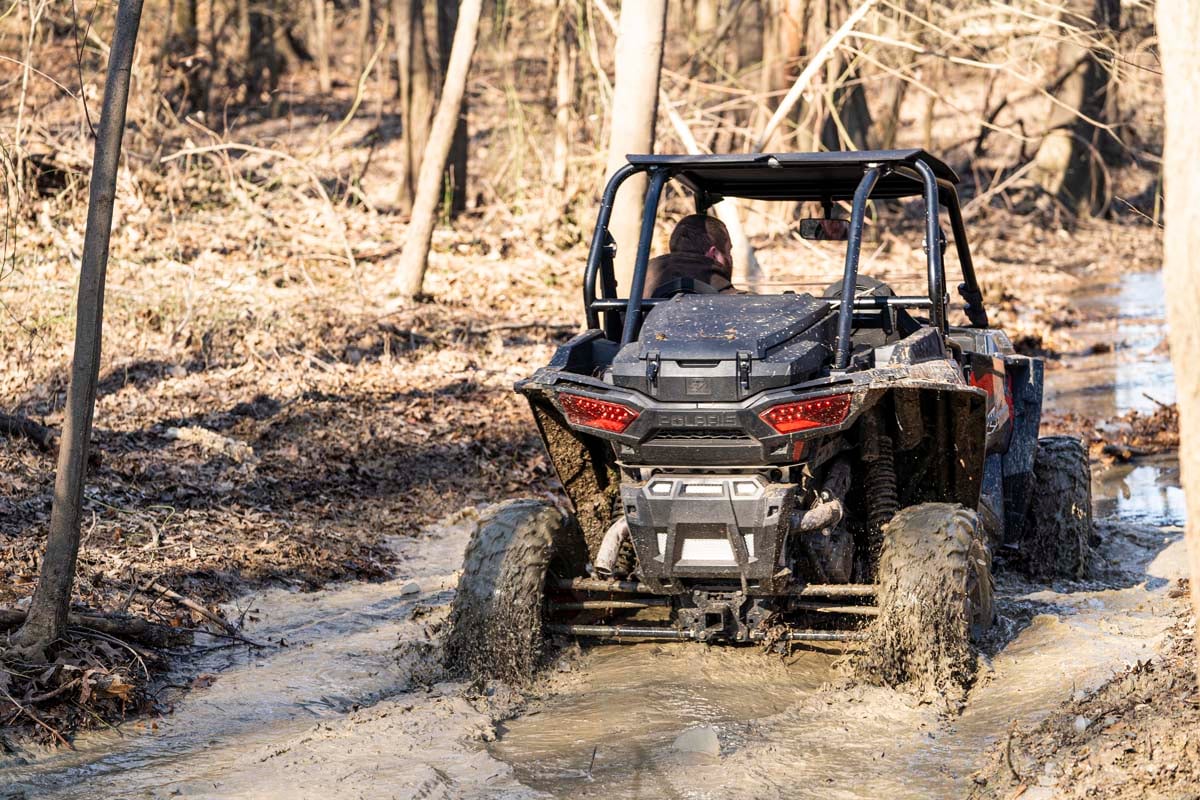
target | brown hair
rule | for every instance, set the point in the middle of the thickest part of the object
(696, 233)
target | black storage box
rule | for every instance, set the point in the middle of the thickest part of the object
(706, 348)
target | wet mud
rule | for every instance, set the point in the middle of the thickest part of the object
(355, 704)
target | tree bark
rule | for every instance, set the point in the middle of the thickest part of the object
(185, 37)
(182, 51)
(366, 25)
(321, 45)
(47, 619)
(1178, 33)
(1068, 163)
(848, 126)
(564, 96)
(456, 173)
(263, 62)
(635, 106)
(885, 127)
(415, 94)
(410, 275)
(707, 16)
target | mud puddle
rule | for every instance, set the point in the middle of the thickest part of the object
(352, 707)
(1127, 369)
(1123, 365)
(608, 730)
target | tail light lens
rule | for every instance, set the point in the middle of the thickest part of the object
(592, 413)
(803, 415)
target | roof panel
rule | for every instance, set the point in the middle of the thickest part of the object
(795, 176)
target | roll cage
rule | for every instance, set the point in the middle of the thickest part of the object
(857, 176)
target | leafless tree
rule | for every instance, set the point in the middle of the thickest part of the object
(414, 91)
(456, 175)
(566, 62)
(1069, 161)
(635, 107)
(320, 37)
(47, 617)
(410, 274)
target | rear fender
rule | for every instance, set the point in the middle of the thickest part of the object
(586, 469)
(941, 443)
(1027, 376)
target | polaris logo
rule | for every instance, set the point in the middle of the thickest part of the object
(698, 419)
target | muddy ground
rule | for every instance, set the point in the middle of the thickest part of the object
(348, 699)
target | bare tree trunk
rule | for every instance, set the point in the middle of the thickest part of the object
(848, 126)
(635, 106)
(366, 24)
(321, 45)
(415, 92)
(263, 65)
(185, 36)
(180, 49)
(706, 17)
(1178, 32)
(1068, 163)
(887, 126)
(47, 617)
(410, 274)
(447, 21)
(402, 25)
(564, 92)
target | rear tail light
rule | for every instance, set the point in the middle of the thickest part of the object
(803, 415)
(592, 413)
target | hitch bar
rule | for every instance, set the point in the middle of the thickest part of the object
(658, 632)
(636, 587)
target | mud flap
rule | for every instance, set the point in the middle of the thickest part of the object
(1027, 381)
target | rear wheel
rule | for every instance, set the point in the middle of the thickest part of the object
(1056, 538)
(935, 596)
(496, 619)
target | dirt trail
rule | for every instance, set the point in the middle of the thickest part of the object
(347, 709)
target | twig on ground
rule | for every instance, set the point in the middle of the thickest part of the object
(186, 602)
(1008, 757)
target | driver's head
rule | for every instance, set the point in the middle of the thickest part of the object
(706, 236)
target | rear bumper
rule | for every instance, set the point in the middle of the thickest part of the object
(708, 526)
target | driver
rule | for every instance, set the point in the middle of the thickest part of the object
(700, 253)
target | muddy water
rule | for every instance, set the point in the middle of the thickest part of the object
(352, 707)
(1124, 322)
(609, 732)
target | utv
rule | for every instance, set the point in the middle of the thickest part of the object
(778, 468)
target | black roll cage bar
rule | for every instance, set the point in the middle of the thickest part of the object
(622, 317)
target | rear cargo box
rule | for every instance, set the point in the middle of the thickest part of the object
(724, 347)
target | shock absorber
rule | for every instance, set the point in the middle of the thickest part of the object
(880, 485)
